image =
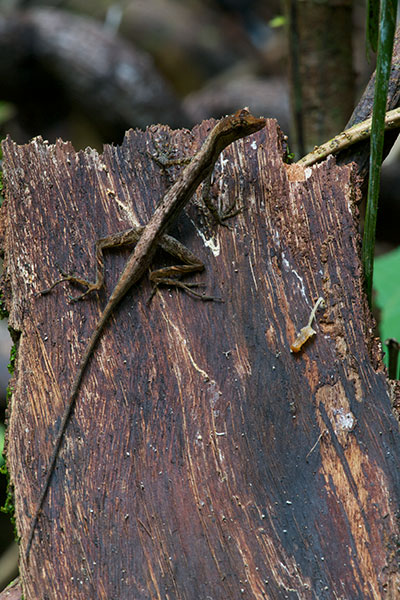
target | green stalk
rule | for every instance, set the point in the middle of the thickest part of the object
(387, 19)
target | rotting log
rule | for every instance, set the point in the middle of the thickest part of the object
(13, 591)
(203, 459)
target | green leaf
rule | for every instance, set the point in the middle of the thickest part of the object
(387, 286)
(2, 434)
(278, 21)
(387, 22)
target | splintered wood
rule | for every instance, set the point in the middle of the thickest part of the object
(204, 458)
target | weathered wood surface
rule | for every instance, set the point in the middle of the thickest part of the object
(204, 459)
(12, 591)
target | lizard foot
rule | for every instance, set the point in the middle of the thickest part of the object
(186, 287)
(219, 216)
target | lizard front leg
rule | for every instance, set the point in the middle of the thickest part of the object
(121, 239)
(165, 276)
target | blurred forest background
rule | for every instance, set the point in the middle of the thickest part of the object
(87, 70)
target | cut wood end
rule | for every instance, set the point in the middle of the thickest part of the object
(295, 172)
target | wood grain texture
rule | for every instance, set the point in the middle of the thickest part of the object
(204, 459)
(12, 591)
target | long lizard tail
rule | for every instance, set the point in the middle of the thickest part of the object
(68, 411)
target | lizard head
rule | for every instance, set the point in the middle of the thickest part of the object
(233, 127)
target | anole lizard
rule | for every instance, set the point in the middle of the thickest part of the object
(226, 131)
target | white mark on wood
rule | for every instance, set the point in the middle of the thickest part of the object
(285, 262)
(223, 161)
(127, 209)
(344, 421)
(287, 267)
(211, 243)
(302, 288)
(252, 274)
(183, 345)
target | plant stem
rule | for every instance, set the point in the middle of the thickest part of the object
(385, 47)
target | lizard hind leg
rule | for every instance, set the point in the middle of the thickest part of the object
(118, 240)
(174, 282)
(75, 279)
(171, 275)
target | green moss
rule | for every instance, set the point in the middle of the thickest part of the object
(13, 355)
(9, 507)
(2, 438)
(1, 188)
(288, 156)
(3, 310)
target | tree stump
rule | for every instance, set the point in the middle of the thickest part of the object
(204, 459)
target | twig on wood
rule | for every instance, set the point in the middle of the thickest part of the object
(347, 138)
